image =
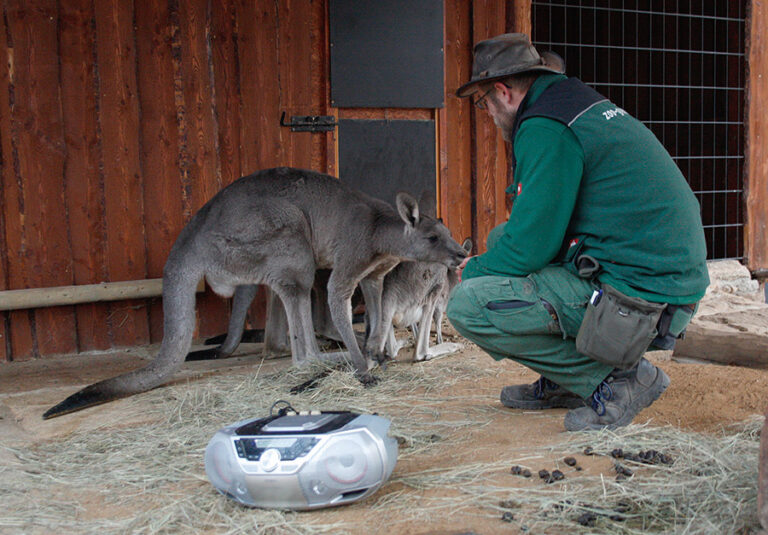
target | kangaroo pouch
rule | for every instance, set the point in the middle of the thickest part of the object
(617, 329)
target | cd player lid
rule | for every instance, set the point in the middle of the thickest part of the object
(298, 423)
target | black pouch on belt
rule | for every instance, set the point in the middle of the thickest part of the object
(672, 324)
(617, 329)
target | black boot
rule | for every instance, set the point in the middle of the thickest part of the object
(619, 398)
(543, 394)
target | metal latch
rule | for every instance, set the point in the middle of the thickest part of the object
(310, 123)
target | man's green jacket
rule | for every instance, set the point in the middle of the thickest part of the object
(602, 186)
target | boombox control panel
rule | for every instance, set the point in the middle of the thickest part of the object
(290, 448)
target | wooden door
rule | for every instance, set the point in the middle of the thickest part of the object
(387, 83)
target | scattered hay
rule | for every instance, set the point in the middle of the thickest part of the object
(150, 478)
(709, 486)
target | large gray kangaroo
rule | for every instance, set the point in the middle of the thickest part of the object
(413, 293)
(277, 227)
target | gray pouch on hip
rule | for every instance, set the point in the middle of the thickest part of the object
(617, 329)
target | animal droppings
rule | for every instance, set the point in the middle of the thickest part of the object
(557, 475)
(620, 469)
(526, 473)
(618, 453)
(570, 461)
(544, 474)
(654, 457)
(587, 519)
(516, 470)
(589, 451)
(508, 517)
(623, 506)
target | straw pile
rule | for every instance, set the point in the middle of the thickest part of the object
(150, 478)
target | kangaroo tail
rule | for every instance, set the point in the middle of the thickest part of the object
(180, 279)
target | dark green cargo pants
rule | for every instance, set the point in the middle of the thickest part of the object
(510, 317)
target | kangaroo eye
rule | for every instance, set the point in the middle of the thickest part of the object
(432, 239)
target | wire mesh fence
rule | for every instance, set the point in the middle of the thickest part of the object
(679, 66)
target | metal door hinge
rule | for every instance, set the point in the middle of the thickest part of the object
(310, 123)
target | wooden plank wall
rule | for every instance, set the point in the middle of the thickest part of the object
(756, 183)
(118, 120)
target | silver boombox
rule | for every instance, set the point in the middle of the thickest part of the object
(301, 461)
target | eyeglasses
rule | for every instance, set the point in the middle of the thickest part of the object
(480, 103)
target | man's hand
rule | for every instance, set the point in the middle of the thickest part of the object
(463, 265)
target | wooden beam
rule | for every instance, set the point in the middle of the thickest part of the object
(519, 16)
(756, 173)
(727, 338)
(491, 167)
(762, 478)
(454, 122)
(82, 177)
(120, 165)
(86, 293)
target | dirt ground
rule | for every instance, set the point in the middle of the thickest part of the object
(702, 397)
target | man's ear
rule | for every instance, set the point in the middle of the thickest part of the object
(503, 93)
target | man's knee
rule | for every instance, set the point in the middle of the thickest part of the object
(461, 308)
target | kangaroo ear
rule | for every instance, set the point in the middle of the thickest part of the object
(427, 203)
(467, 245)
(408, 208)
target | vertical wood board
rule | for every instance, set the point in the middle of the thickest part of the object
(756, 226)
(455, 132)
(119, 120)
(38, 131)
(82, 177)
(490, 152)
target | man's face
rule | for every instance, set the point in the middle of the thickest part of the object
(503, 116)
(503, 110)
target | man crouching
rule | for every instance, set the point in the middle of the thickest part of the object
(603, 254)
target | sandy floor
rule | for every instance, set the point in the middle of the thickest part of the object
(701, 397)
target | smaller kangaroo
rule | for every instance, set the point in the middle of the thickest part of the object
(278, 227)
(415, 294)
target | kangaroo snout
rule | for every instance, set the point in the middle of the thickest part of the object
(457, 259)
(461, 252)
